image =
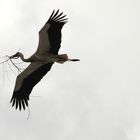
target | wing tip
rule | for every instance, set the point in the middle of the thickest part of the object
(58, 17)
(19, 103)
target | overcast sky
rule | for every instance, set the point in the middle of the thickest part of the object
(97, 98)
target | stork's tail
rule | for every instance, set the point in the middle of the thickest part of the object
(63, 58)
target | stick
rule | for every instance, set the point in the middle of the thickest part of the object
(15, 65)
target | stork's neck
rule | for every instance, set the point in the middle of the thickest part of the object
(23, 59)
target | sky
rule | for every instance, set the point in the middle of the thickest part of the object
(96, 98)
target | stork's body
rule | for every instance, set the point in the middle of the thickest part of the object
(41, 61)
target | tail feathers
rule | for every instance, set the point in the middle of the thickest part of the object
(62, 58)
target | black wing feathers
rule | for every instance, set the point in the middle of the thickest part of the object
(56, 17)
(20, 98)
(56, 22)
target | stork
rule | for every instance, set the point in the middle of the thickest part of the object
(41, 61)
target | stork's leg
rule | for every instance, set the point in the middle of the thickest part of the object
(59, 58)
(63, 58)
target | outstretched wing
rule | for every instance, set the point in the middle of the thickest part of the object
(50, 34)
(26, 81)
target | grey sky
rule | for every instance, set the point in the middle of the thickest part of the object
(96, 98)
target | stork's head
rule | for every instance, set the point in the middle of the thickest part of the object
(15, 56)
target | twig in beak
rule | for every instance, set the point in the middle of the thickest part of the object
(15, 66)
(4, 61)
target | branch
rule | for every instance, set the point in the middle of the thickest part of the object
(4, 61)
(15, 65)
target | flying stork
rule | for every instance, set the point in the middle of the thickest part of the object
(41, 61)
